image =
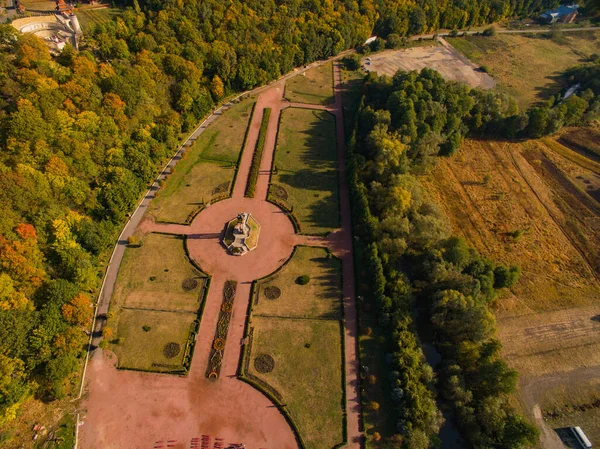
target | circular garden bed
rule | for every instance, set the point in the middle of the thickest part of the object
(171, 350)
(189, 284)
(264, 363)
(272, 292)
(279, 192)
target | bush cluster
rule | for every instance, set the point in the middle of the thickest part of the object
(257, 155)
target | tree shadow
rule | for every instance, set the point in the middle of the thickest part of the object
(317, 175)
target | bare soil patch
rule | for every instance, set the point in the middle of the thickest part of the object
(444, 59)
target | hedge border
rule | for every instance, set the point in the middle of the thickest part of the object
(243, 150)
(257, 155)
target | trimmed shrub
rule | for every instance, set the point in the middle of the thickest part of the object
(303, 280)
(257, 156)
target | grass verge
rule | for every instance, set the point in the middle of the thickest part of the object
(305, 165)
(257, 156)
(315, 86)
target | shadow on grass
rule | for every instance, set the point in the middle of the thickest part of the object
(315, 180)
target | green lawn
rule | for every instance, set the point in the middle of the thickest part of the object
(144, 349)
(307, 374)
(88, 17)
(152, 276)
(194, 183)
(319, 298)
(315, 86)
(208, 169)
(301, 329)
(528, 67)
(157, 275)
(306, 160)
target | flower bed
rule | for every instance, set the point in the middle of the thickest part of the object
(218, 345)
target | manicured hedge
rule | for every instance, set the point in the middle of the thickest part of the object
(257, 156)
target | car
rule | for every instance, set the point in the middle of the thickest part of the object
(368, 59)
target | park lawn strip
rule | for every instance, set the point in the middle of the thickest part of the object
(163, 258)
(194, 183)
(143, 350)
(97, 16)
(224, 138)
(315, 86)
(207, 170)
(527, 67)
(320, 298)
(352, 81)
(257, 155)
(306, 167)
(307, 374)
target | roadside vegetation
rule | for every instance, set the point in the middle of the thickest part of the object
(305, 180)
(410, 258)
(208, 168)
(296, 343)
(315, 86)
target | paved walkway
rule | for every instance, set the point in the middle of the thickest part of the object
(130, 409)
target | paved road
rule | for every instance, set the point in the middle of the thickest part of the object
(500, 31)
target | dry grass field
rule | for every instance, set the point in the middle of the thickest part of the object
(528, 66)
(492, 189)
(549, 323)
(446, 60)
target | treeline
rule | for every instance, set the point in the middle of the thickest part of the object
(407, 254)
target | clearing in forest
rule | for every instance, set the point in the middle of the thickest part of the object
(528, 66)
(208, 169)
(444, 59)
(315, 86)
(296, 355)
(305, 178)
(156, 305)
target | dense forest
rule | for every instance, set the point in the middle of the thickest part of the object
(410, 258)
(81, 135)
